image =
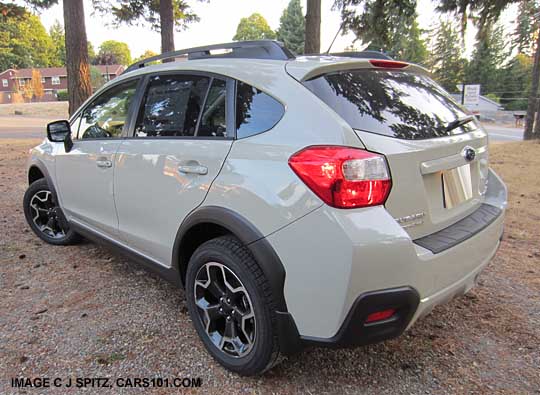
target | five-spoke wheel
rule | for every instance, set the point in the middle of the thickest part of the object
(225, 309)
(231, 305)
(45, 217)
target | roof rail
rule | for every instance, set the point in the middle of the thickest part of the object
(367, 54)
(257, 49)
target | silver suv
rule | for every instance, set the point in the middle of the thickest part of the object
(317, 200)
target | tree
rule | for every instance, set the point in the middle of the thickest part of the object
(8, 10)
(24, 42)
(59, 44)
(162, 15)
(488, 56)
(78, 69)
(446, 61)
(379, 22)
(484, 13)
(113, 52)
(147, 54)
(91, 52)
(312, 42)
(253, 27)
(529, 133)
(37, 85)
(27, 92)
(96, 78)
(516, 80)
(525, 26)
(408, 44)
(292, 28)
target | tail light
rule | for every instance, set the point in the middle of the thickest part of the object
(343, 177)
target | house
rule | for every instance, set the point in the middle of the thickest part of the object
(486, 108)
(52, 78)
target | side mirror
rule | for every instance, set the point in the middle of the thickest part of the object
(60, 131)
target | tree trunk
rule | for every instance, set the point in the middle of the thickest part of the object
(78, 69)
(166, 20)
(533, 98)
(312, 43)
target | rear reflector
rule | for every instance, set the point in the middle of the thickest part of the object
(343, 177)
(380, 316)
(388, 64)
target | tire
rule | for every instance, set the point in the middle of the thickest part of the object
(52, 230)
(229, 254)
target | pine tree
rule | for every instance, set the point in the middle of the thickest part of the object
(408, 44)
(292, 27)
(59, 42)
(485, 67)
(446, 61)
(526, 26)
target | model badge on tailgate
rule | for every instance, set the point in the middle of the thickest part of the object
(411, 220)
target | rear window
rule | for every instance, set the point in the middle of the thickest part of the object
(391, 103)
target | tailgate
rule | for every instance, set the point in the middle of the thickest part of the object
(433, 183)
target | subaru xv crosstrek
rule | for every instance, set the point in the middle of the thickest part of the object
(315, 200)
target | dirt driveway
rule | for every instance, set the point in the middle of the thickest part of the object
(82, 312)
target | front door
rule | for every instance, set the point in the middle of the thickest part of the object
(163, 172)
(85, 174)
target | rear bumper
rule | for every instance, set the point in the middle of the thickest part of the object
(334, 258)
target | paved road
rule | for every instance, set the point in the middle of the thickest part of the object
(23, 127)
(502, 133)
(29, 127)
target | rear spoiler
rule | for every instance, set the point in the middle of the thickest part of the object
(308, 67)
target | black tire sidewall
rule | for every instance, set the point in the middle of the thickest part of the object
(261, 356)
(42, 185)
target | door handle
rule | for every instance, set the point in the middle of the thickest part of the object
(103, 163)
(193, 169)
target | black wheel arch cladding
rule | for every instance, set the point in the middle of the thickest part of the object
(247, 233)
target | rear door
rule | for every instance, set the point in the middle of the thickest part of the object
(438, 167)
(181, 137)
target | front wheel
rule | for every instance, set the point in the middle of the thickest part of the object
(44, 216)
(230, 303)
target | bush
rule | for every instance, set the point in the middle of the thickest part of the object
(62, 95)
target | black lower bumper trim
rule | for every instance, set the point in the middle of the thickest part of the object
(355, 332)
(461, 230)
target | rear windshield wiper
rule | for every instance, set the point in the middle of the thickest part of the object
(459, 122)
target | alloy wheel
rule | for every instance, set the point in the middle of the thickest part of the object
(45, 214)
(225, 309)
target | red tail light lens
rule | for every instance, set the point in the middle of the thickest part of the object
(388, 64)
(343, 177)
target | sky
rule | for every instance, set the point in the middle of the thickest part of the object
(219, 19)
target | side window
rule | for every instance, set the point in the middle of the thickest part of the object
(256, 112)
(106, 116)
(172, 106)
(213, 120)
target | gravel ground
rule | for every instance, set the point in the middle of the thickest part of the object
(80, 311)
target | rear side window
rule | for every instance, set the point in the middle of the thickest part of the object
(391, 103)
(172, 106)
(256, 112)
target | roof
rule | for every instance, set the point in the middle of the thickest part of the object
(115, 69)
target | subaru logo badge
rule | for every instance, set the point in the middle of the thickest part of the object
(469, 154)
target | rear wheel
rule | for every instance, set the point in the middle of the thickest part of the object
(44, 216)
(231, 306)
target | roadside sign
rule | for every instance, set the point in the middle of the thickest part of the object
(471, 95)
